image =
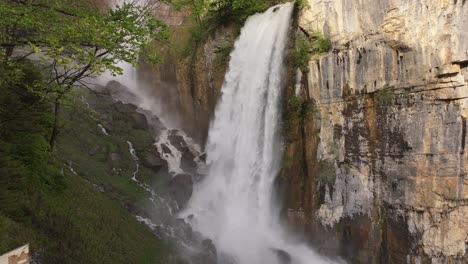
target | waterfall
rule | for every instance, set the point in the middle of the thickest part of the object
(234, 205)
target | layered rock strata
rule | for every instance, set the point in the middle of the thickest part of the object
(382, 157)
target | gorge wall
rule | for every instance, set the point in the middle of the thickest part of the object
(190, 78)
(375, 169)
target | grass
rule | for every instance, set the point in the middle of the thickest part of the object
(78, 224)
(65, 217)
(102, 231)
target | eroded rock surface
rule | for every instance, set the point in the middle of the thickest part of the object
(384, 151)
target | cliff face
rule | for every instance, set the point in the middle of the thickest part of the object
(190, 78)
(380, 164)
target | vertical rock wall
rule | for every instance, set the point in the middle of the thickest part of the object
(382, 165)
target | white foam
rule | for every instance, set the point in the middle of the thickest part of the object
(234, 204)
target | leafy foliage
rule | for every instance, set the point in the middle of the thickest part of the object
(308, 47)
(75, 40)
(302, 4)
(78, 39)
(384, 96)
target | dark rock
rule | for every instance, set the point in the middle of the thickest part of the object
(283, 256)
(123, 108)
(181, 189)
(114, 85)
(102, 90)
(202, 157)
(197, 177)
(183, 230)
(165, 149)
(152, 160)
(187, 162)
(139, 121)
(209, 252)
(120, 91)
(154, 121)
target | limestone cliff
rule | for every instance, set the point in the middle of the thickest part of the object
(189, 80)
(379, 164)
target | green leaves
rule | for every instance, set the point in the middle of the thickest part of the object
(76, 39)
(307, 48)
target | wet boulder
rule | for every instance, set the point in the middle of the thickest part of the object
(207, 253)
(283, 256)
(183, 230)
(202, 157)
(152, 160)
(187, 162)
(181, 189)
(209, 250)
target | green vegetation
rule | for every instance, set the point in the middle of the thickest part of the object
(74, 40)
(302, 4)
(208, 16)
(384, 96)
(222, 53)
(47, 48)
(307, 48)
(62, 215)
(223, 12)
(326, 172)
(295, 113)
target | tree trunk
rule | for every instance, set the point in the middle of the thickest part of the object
(55, 129)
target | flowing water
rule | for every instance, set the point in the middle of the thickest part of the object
(234, 205)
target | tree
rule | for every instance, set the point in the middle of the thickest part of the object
(72, 40)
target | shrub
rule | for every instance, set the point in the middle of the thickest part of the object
(302, 53)
(307, 48)
(385, 96)
(302, 4)
(320, 43)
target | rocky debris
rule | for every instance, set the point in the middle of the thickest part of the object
(181, 189)
(172, 190)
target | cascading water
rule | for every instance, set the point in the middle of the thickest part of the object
(234, 204)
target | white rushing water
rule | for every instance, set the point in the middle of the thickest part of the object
(234, 204)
